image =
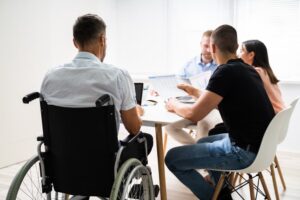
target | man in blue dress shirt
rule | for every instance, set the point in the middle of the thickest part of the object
(203, 63)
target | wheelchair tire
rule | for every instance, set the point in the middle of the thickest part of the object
(133, 181)
(27, 183)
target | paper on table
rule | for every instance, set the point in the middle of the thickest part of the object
(166, 86)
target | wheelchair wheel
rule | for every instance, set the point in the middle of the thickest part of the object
(27, 184)
(133, 181)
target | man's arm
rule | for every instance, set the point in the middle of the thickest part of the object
(131, 120)
(197, 111)
(190, 90)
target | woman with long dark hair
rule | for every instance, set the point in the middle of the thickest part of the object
(255, 53)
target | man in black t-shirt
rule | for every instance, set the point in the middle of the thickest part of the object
(236, 89)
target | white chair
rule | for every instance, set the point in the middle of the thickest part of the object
(265, 155)
(276, 162)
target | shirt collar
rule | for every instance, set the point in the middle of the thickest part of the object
(235, 60)
(87, 56)
(201, 63)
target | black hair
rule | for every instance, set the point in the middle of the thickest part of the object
(225, 38)
(261, 58)
(87, 28)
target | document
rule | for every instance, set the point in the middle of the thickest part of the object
(166, 86)
(201, 80)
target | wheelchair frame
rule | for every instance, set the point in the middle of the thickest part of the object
(130, 169)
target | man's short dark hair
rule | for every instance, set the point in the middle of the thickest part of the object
(225, 38)
(87, 28)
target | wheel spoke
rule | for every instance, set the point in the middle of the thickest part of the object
(135, 183)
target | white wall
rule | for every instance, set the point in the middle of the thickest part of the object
(187, 20)
(159, 36)
(277, 24)
(290, 91)
(36, 35)
(141, 35)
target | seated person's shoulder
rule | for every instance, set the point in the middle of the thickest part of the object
(192, 61)
(109, 67)
(118, 70)
(114, 71)
(259, 70)
(56, 71)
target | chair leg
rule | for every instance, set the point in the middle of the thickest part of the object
(241, 178)
(251, 187)
(231, 178)
(66, 197)
(165, 142)
(219, 186)
(274, 181)
(236, 175)
(279, 172)
(263, 182)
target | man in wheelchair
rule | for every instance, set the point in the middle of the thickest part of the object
(82, 155)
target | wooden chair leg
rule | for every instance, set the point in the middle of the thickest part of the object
(218, 187)
(236, 175)
(263, 182)
(66, 197)
(231, 178)
(251, 187)
(279, 172)
(274, 181)
(241, 177)
(165, 142)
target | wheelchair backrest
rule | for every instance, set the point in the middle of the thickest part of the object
(80, 148)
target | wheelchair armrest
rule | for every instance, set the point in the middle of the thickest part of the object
(101, 101)
(30, 97)
(131, 138)
(40, 138)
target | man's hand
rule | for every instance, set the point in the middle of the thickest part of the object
(189, 89)
(197, 111)
(170, 104)
(154, 93)
(140, 110)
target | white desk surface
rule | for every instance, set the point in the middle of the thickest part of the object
(158, 115)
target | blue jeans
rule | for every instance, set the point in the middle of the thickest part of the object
(213, 152)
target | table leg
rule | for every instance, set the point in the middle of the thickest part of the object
(165, 142)
(161, 161)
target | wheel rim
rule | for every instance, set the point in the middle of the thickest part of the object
(27, 184)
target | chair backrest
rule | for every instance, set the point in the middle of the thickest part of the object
(267, 150)
(80, 148)
(285, 126)
(294, 102)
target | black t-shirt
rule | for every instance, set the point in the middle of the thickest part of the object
(245, 108)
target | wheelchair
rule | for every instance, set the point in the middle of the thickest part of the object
(79, 156)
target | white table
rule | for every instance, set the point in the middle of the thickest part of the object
(157, 116)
